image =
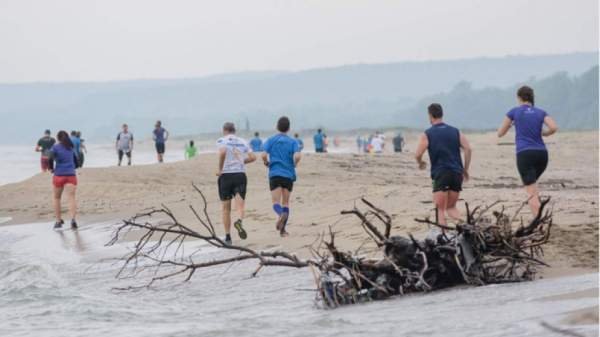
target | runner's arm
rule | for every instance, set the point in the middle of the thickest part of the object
(464, 144)
(131, 143)
(421, 147)
(250, 158)
(551, 126)
(503, 129)
(51, 162)
(265, 158)
(166, 135)
(297, 157)
(222, 154)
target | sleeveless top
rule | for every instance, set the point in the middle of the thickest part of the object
(444, 149)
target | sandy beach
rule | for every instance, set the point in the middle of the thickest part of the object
(329, 183)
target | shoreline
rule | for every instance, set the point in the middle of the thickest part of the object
(330, 183)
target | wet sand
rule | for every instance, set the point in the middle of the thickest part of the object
(329, 183)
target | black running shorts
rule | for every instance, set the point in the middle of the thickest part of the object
(231, 184)
(160, 148)
(447, 181)
(531, 164)
(276, 182)
(121, 153)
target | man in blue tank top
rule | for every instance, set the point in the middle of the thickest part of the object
(443, 144)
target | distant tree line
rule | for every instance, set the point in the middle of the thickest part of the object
(571, 100)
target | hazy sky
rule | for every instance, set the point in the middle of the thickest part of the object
(82, 40)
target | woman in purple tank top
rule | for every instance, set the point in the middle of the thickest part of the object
(532, 155)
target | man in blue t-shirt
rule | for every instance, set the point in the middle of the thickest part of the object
(160, 136)
(319, 141)
(281, 155)
(444, 143)
(300, 142)
(76, 146)
(256, 143)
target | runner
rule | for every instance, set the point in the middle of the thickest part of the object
(398, 142)
(532, 155)
(234, 153)
(443, 143)
(124, 144)
(160, 136)
(377, 144)
(281, 156)
(76, 141)
(359, 143)
(256, 143)
(300, 142)
(190, 150)
(319, 141)
(82, 149)
(44, 145)
(63, 162)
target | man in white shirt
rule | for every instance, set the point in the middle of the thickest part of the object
(234, 153)
(377, 144)
(124, 144)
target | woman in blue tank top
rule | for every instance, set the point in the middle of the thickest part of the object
(532, 155)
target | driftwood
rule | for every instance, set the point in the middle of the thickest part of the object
(482, 250)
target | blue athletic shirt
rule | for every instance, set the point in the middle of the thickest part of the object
(444, 149)
(159, 135)
(281, 149)
(256, 144)
(64, 160)
(528, 121)
(318, 139)
(76, 144)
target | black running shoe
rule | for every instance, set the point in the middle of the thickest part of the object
(241, 232)
(74, 224)
(58, 224)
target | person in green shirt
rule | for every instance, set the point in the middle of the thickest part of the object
(190, 150)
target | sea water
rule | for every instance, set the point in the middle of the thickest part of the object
(62, 283)
(20, 162)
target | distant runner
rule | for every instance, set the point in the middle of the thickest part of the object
(234, 153)
(281, 156)
(377, 144)
(319, 141)
(82, 149)
(124, 144)
(63, 162)
(532, 155)
(190, 150)
(300, 142)
(398, 142)
(76, 146)
(160, 136)
(443, 143)
(44, 145)
(256, 143)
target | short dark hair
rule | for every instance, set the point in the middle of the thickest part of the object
(47, 132)
(229, 127)
(435, 110)
(525, 93)
(319, 130)
(73, 133)
(283, 124)
(256, 134)
(191, 143)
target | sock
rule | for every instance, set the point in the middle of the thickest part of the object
(277, 208)
(285, 210)
(227, 236)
